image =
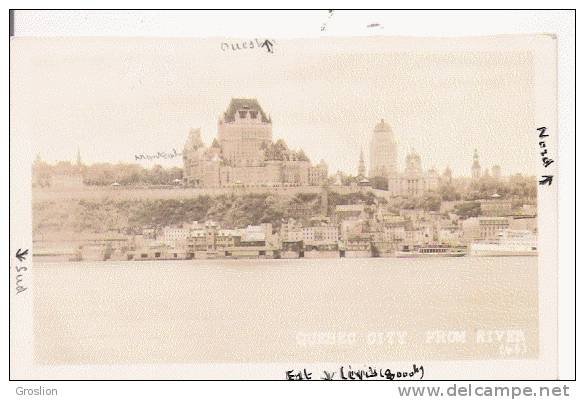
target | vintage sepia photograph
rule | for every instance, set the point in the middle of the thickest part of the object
(382, 204)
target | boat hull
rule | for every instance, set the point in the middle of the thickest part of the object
(491, 250)
(502, 253)
(401, 254)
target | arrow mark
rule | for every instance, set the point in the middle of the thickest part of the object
(268, 44)
(21, 255)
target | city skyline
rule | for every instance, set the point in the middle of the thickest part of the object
(454, 101)
(174, 159)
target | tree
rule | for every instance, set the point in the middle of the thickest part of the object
(468, 210)
(379, 182)
(301, 156)
(448, 192)
(431, 202)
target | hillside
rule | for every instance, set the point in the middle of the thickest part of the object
(130, 216)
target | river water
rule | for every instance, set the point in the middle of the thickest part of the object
(318, 310)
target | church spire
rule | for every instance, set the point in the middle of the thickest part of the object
(475, 166)
(361, 165)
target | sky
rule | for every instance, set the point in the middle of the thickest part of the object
(114, 98)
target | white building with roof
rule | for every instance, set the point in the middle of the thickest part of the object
(173, 236)
(321, 235)
(413, 182)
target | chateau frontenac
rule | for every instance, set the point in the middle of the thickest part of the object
(244, 154)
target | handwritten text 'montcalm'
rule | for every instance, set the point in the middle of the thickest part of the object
(158, 155)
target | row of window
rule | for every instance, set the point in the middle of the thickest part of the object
(253, 114)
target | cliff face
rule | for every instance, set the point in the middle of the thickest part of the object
(130, 216)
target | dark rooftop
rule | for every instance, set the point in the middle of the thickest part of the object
(244, 104)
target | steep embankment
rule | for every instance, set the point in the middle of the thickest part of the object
(127, 216)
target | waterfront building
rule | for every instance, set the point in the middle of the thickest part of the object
(351, 227)
(416, 237)
(394, 233)
(382, 151)
(291, 231)
(257, 234)
(357, 246)
(426, 224)
(524, 223)
(413, 182)
(490, 227)
(228, 238)
(198, 242)
(470, 229)
(150, 252)
(210, 240)
(173, 236)
(450, 235)
(321, 236)
(243, 154)
(483, 228)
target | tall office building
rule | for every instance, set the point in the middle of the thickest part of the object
(382, 151)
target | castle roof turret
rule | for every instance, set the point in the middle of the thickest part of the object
(239, 104)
